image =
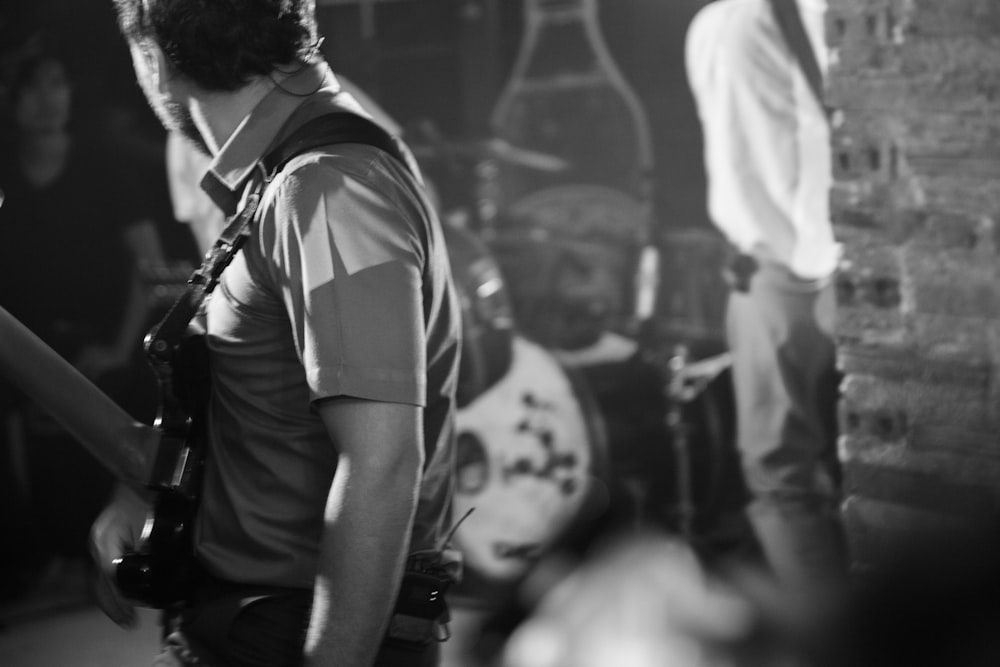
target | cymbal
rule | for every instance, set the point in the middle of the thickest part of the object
(490, 149)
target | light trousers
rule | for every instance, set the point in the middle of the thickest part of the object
(780, 333)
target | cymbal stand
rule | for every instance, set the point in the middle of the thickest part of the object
(685, 383)
(678, 395)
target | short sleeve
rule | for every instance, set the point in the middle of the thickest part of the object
(349, 266)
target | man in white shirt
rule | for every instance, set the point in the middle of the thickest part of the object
(767, 154)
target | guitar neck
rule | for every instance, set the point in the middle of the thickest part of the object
(125, 446)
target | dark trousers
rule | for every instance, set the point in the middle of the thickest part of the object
(780, 331)
(231, 625)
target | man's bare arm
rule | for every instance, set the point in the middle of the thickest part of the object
(369, 514)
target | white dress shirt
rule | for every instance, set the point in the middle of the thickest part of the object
(767, 139)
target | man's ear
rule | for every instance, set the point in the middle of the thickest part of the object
(151, 66)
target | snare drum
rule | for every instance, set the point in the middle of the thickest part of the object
(530, 460)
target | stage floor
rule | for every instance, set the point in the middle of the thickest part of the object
(83, 637)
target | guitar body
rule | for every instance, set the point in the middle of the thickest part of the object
(159, 572)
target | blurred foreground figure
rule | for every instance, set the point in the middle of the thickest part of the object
(767, 154)
(333, 342)
(644, 601)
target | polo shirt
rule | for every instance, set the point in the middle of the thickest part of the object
(342, 289)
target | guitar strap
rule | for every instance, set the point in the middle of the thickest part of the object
(786, 14)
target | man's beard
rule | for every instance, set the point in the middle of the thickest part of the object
(173, 115)
(177, 118)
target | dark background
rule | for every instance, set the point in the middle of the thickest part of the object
(443, 60)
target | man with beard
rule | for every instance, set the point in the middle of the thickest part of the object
(333, 346)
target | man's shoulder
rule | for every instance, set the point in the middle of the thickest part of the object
(742, 33)
(723, 10)
(350, 176)
(325, 167)
(333, 125)
(342, 157)
(733, 18)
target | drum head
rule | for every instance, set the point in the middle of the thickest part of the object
(529, 465)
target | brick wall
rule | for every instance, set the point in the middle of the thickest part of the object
(916, 88)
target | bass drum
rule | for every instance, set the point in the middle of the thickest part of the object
(531, 458)
(633, 400)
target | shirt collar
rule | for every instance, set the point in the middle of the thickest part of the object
(232, 166)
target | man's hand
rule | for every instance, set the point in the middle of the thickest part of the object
(116, 529)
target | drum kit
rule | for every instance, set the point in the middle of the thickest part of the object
(550, 437)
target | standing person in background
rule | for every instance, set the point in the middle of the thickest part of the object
(333, 340)
(74, 234)
(768, 161)
(68, 210)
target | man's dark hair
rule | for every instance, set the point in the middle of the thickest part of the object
(222, 44)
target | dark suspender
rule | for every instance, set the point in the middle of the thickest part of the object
(789, 20)
(333, 128)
